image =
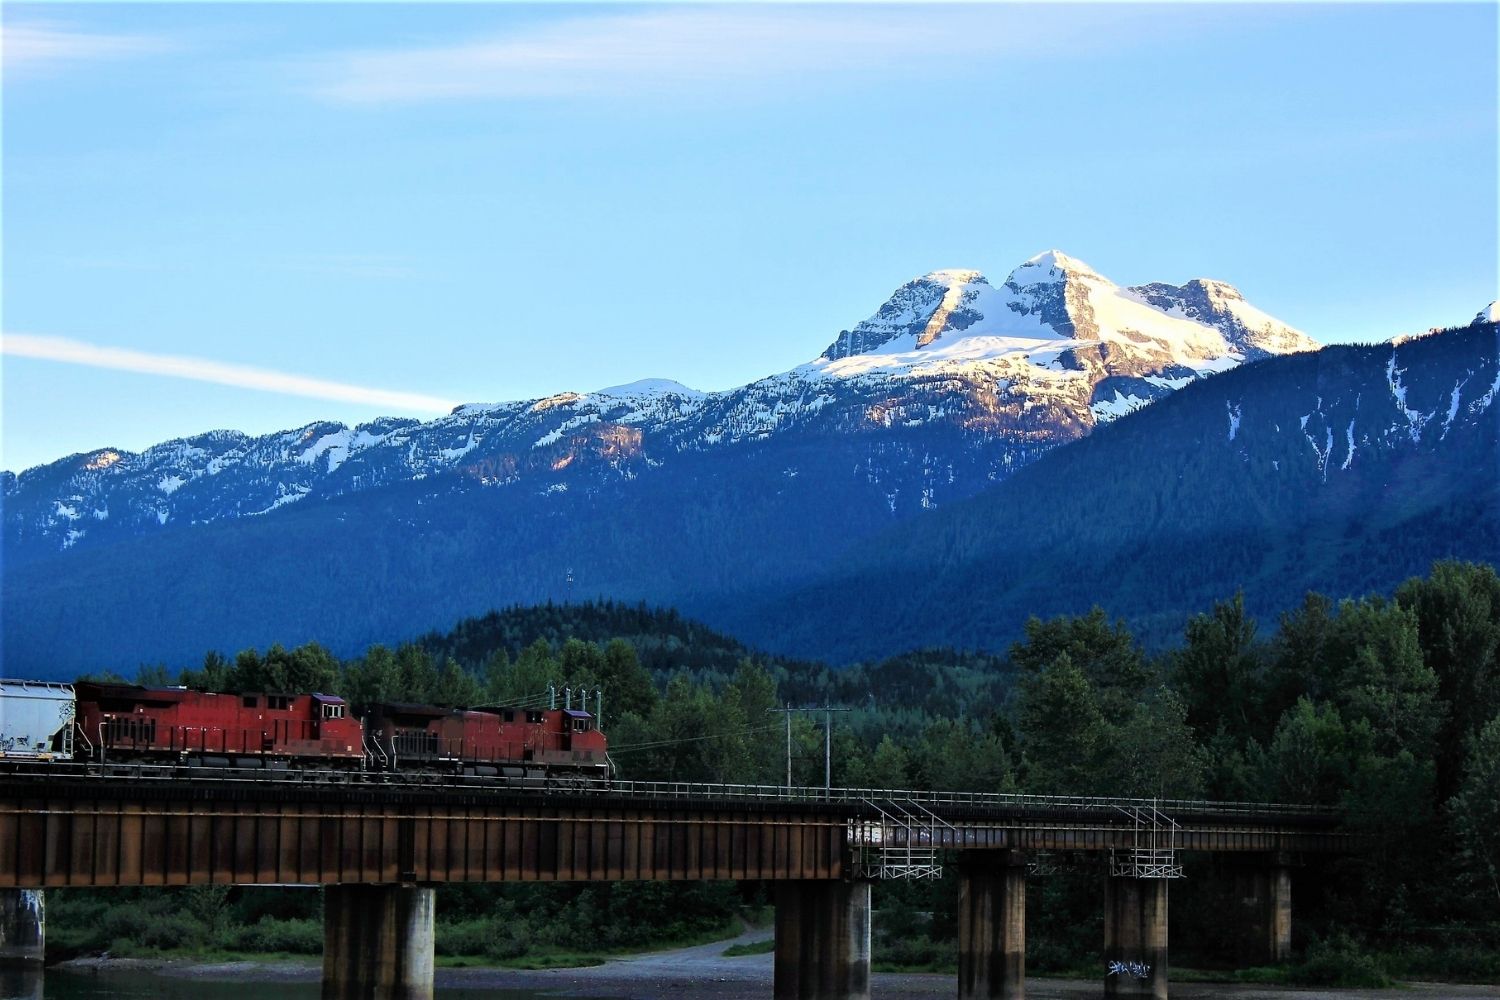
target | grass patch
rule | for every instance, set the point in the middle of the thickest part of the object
(934, 966)
(532, 961)
(208, 956)
(542, 957)
(750, 948)
(1263, 975)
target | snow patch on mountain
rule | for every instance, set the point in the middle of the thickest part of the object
(1105, 410)
(650, 388)
(1453, 406)
(287, 495)
(1415, 419)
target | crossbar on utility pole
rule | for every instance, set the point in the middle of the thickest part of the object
(827, 711)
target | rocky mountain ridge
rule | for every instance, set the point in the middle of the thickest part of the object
(975, 380)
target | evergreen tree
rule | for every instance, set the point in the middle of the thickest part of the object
(1062, 729)
(455, 687)
(1475, 811)
(1219, 667)
(1105, 653)
(1457, 610)
(627, 684)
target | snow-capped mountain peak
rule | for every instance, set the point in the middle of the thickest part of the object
(1053, 264)
(991, 375)
(1054, 303)
(1489, 314)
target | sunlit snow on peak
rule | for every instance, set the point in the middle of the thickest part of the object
(1056, 260)
(650, 387)
(952, 276)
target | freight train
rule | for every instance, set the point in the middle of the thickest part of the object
(127, 723)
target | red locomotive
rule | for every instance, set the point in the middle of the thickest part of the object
(123, 721)
(508, 742)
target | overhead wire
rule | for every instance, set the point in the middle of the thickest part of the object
(653, 744)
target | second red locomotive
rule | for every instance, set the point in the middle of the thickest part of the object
(508, 742)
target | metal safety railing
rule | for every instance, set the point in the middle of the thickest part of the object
(1153, 849)
(1105, 808)
(902, 843)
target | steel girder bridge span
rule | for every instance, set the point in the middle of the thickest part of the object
(379, 844)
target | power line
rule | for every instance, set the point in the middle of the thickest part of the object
(690, 739)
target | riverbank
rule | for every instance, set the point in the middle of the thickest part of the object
(704, 971)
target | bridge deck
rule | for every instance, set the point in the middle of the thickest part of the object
(72, 825)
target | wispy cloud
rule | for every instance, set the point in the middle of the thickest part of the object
(76, 352)
(685, 47)
(42, 45)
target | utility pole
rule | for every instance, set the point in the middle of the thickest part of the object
(827, 711)
(787, 711)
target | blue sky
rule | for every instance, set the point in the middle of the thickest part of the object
(407, 206)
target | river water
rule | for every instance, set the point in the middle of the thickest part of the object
(56, 984)
(681, 975)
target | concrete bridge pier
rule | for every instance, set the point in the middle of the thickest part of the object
(822, 940)
(23, 927)
(1265, 893)
(991, 925)
(377, 942)
(1135, 937)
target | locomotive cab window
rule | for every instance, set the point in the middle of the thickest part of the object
(333, 711)
(580, 725)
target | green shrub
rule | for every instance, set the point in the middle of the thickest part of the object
(299, 937)
(751, 948)
(466, 937)
(1469, 961)
(511, 942)
(1339, 961)
(918, 952)
(169, 932)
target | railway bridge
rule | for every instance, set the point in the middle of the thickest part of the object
(380, 843)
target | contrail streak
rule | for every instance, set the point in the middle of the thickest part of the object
(76, 352)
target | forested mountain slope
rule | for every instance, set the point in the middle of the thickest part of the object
(1344, 471)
